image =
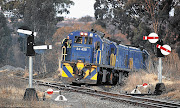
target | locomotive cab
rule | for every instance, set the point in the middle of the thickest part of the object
(79, 62)
(85, 47)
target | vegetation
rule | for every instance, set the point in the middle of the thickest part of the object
(138, 18)
(12, 92)
(39, 16)
(5, 40)
(86, 19)
(171, 72)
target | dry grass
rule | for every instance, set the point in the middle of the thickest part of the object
(26, 74)
(12, 97)
(60, 72)
(12, 91)
(173, 91)
(171, 65)
(40, 95)
(171, 71)
(138, 79)
(143, 77)
(174, 95)
(4, 70)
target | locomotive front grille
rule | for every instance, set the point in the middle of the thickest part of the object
(79, 71)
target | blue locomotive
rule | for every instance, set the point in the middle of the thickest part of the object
(90, 58)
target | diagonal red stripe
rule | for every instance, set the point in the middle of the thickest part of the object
(165, 49)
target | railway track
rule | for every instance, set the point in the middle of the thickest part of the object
(141, 101)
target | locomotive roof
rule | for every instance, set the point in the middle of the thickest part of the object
(100, 35)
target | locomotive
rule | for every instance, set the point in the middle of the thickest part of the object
(93, 59)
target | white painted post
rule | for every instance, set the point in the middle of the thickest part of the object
(30, 71)
(160, 70)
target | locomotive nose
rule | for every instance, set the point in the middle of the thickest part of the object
(80, 65)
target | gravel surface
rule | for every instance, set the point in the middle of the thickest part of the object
(78, 100)
(74, 100)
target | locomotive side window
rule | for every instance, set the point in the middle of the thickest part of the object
(112, 50)
(88, 40)
(126, 60)
(97, 45)
(78, 40)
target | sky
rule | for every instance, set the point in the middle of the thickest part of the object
(81, 8)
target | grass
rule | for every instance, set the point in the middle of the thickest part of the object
(12, 91)
(173, 91)
(12, 97)
(171, 66)
(138, 79)
(171, 73)
(142, 77)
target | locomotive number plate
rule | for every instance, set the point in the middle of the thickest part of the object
(81, 49)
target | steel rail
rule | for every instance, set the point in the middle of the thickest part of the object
(147, 102)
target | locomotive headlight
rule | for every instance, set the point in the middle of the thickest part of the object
(81, 33)
(85, 34)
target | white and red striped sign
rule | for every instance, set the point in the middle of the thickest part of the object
(165, 49)
(153, 37)
(50, 91)
(145, 85)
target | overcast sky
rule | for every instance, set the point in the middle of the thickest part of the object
(81, 8)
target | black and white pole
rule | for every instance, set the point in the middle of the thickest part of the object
(160, 55)
(30, 93)
(160, 87)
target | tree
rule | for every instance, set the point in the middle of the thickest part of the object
(175, 23)
(39, 16)
(19, 6)
(5, 40)
(136, 17)
(86, 19)
(109, 12)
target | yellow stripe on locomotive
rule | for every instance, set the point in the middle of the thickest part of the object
(67, 70)
(89, 72)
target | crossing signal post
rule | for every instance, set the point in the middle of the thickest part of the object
(161, 51)
(30, 93)
(160, 87)
(160, 55)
